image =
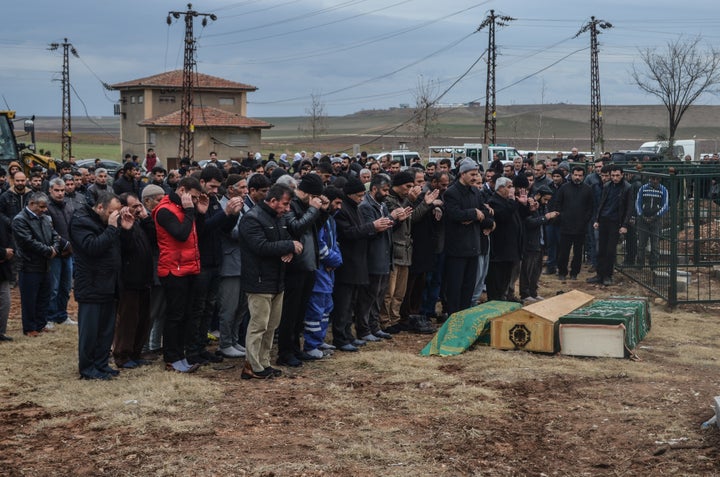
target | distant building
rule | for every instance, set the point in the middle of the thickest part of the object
(150, 117)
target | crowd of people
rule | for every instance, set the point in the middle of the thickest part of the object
(283, 250)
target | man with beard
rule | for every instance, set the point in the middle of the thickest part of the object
(352, 278)
(14, 199)
(204, 292)
(380, 259)
(403, 196)
(574, 202)
(308, 213)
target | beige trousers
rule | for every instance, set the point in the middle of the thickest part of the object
(397, 285)
(265, 311)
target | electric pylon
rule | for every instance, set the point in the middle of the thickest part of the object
(187, 126)
(66, 139)
(491, 21)
(597, 140)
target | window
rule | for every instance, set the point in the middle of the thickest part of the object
(152, 137)
(166, 99)
(132, 99)
(226, 101)
(141, 98)
(238, 140)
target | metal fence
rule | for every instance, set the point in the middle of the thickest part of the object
(678, 256)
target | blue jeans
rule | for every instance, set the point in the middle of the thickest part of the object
(61, 271)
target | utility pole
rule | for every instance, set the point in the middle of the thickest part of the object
(66, 139)
(187, 126)
(597, 140)
(491, 21)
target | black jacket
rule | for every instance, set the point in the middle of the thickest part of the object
(506, 241)
(97, 257)
(426, 233)
(304, 223)
(465, 239)
(11, 203)
(626, 204)
(264, 238)
(61, 213)
(353, 233)
(534, 226)
(575, 204)
(36, 239)
(137, 255)
(210, 228)
(6, 241)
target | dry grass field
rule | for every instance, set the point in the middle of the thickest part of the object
(385, 411)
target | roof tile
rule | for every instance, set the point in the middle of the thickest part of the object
(207, 116)
(174, 79)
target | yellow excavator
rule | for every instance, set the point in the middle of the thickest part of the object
(11, 150)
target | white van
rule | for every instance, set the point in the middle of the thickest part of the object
(474, 151)
(681, 148)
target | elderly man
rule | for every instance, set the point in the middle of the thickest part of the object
(96, 241)
(506, 241)
(151, 197)
(37, 244)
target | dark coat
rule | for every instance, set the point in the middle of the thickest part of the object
(533, 228)
(353, 233)
(210, 228)
(6, 241)
(264, 238)
(11, 203)
(61, 213)
(575, 204)
(626, 205)
(465, 239)
(426, 233)
(304, 223)
(137, 255)
(36, 240)
(97, 257)
(380, 245)
(506, 241)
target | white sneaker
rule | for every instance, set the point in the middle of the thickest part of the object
(69, 321)
(50, 325)
(538, 298)
(230, 352)
(315, 353)
(240, 348)
(326, 346)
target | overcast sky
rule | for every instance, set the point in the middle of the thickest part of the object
(354, 54)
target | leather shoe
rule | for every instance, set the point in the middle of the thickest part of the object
(304, 356)
(95, 374)
(109, 370)
(33, 334)
(213, 358)
(275, 372)
(248, 373)
(383, 335)
(5, 338)
(595, 279)
(290, 361)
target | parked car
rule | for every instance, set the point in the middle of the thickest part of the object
(205, 162)
(111, 166)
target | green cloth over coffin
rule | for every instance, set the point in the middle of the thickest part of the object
(611, 312)
(466, 327)
(644, 324)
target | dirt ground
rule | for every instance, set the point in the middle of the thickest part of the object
(383, 411)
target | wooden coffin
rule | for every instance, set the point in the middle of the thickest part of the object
(534, 327)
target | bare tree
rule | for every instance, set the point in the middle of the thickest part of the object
(316, 122)
(424, 124)
(678, 77)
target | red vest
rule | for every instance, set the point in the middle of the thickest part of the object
(176, 258)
